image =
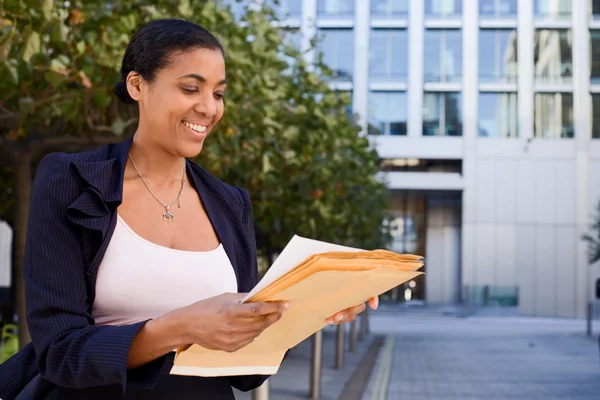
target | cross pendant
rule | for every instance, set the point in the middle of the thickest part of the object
(168, 216)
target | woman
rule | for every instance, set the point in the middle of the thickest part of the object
(133, 251)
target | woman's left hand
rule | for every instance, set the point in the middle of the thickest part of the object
(349, 314)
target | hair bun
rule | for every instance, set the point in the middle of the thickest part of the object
(122, 93)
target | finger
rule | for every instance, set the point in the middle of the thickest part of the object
(254, 325)
(346, 315)
(261, 309)
(374, 302)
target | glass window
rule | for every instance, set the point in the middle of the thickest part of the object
(552, 9)
(335, 8)
(388, 112)
(498, 55)
(288, 8)
(337, 46)
(388, 58)
(498, 115)
(596, 116)
(553, 116)
(443, 55)
(442, 114)
(552, 55)
(595, 8)
(498, 8)
(443, 8)
(389, 8)
(595, 56)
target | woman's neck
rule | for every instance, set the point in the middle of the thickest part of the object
(155, 163)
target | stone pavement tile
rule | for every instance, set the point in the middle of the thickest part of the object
(446, 358)
(292, 382)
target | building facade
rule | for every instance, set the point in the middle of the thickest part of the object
(486, 114)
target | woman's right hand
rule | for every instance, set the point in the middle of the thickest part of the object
(223, 323)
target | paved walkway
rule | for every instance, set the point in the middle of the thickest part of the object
(493, 358)
(292, 382)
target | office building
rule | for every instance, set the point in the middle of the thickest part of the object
(486, 114)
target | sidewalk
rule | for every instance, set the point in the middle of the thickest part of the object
(292, 382)
(442, 357)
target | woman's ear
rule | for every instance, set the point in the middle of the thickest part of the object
(134, 85)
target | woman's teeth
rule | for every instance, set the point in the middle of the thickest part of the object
(197, 128)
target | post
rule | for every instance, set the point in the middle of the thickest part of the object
(353, 337)
(363, 325)
(339, 353)
(261, 392)
(315, 367)
(367, 313)
(590, 315)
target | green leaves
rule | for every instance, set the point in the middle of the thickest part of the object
(33, 44)
(285, 136)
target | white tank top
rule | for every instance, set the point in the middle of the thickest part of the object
(139, 280)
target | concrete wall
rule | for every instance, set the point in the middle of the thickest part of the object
(523, 220)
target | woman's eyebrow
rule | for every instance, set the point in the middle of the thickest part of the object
(201, 79)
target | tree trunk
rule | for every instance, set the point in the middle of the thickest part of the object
(23, 178)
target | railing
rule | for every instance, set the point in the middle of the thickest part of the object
(316, 365)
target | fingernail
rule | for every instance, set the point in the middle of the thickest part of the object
(339, 317)
(286, 305)
(330, 321)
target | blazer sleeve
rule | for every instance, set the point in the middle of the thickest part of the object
(71, 351)
(250, 382)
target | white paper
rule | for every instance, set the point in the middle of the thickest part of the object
(297, 250)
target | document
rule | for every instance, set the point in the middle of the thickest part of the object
(318, 279)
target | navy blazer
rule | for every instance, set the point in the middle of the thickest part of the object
(72, 217)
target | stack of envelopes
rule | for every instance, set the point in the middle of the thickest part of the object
(317, 288)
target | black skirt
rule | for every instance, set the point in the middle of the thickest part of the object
(168, 387)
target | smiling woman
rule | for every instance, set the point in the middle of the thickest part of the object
(134, 251)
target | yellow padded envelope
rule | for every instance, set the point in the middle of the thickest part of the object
(316, 288)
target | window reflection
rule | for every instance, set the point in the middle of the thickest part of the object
(498, 115)
(337, 46)
(498, 55)
(387, 58)
(595, 56)
(387, 113)
(389, 8)
(552, 9)
(552, 55)
(443, 55)
(553, 117)
(443, 8)
(288, 8)
(335, 8)
(596, 116)
(595, 8)
(442, 114)
(498, 8)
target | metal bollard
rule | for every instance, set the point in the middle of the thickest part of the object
(363, 325)
(261, 392)
(339, 353)
(353, 337)
(590, 313)
(316, 365)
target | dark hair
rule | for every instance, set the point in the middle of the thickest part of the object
(152, 45)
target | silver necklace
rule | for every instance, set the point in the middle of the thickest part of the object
(168, 215)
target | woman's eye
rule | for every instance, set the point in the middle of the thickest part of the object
(219, 96)
(189, 90)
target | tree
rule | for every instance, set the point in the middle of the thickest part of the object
(285, 136)
(593, 238)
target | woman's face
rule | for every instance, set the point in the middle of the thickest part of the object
(184, 102)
